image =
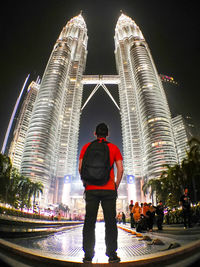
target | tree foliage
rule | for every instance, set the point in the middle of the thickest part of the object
(169, 187)
(16, 189)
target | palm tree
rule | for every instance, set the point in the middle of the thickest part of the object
(35, 189)
(13, 191)
(64, 208)
(191, 168)
(173, 184)
(24, 189)
(155, 187)
(168, 187)
(15, 188)
(5, 173)
(173, 180)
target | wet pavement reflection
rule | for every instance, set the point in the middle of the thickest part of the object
(67, 245)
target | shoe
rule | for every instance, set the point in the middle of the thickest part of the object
(114, 259)
(87, 260)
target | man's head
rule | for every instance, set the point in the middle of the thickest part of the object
(101, 130)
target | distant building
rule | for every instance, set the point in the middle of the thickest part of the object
(173, 94)
(19, 134)
(168, 79)
(191, 129)
(12, 122)
(176, 105)
(181, 137)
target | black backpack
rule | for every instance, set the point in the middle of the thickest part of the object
(96, 167)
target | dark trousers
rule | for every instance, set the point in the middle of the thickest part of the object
(187, 217)
(150, 222)
(93, 198)
(132, 220)
(160, 221)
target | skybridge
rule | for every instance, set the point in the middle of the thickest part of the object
(100, 81)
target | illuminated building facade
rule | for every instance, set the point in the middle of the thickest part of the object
(180, 136)
(148, 141)
(50, 150)
(19, 134)
(51, 145)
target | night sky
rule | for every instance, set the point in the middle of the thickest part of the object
(29, 30)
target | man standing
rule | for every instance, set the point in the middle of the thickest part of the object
(131, 214)
(160, 215)
(105, 194)
(185, 203)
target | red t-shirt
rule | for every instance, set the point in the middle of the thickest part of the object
(115, 155)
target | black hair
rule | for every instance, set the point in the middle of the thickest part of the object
(101, 130)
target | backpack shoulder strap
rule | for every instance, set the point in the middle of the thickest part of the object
(103, 141)
(97, 140)
(106, 142)
(94, 141)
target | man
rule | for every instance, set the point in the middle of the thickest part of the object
(185, 203)
(160, 215)
(106, 195)
(131, 214)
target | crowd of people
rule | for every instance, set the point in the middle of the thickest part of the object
(142, 216)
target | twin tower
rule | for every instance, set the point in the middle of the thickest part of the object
(50, 152)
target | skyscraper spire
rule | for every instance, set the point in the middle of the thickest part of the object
(126, 26)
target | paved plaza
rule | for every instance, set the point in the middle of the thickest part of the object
(66, 245)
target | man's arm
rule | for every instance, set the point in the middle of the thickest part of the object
(181, 201)
(80, 165)
(79, 169)
(120, 170)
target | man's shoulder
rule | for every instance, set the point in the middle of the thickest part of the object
(113, 145)
(85, 146)
(114, 149)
